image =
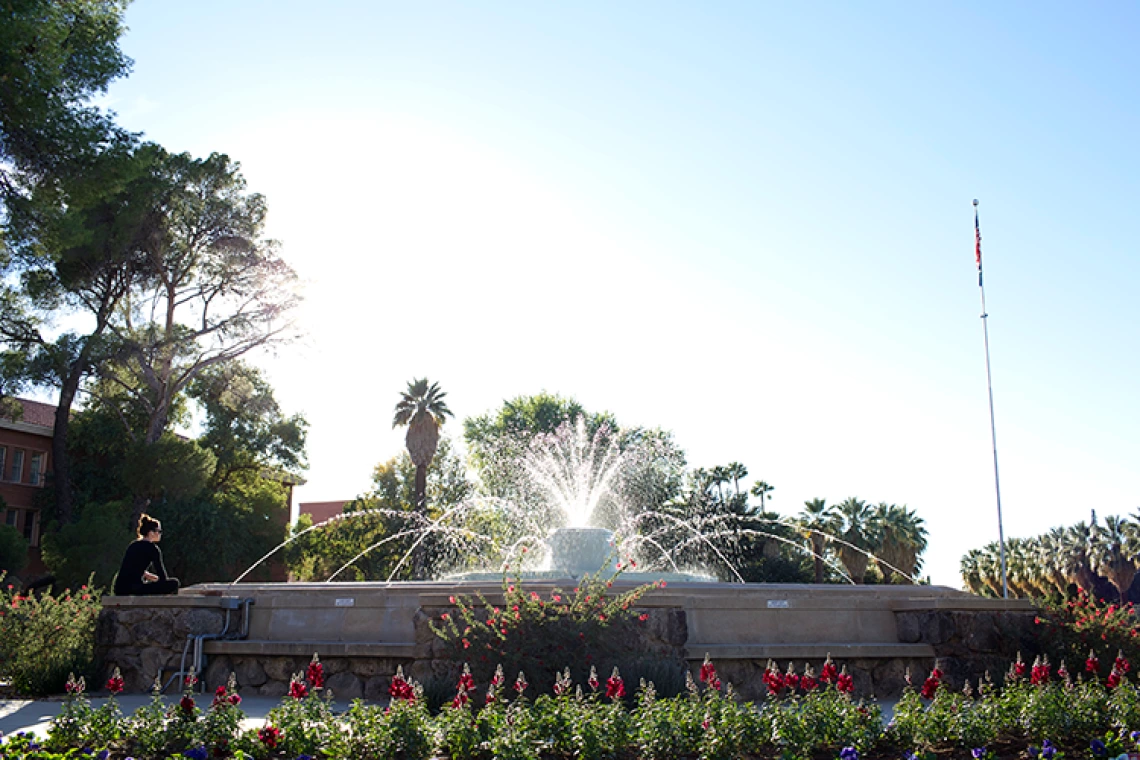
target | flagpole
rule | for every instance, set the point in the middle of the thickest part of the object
(990, 389)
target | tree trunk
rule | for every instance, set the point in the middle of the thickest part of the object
(60, 458)
(817, 551)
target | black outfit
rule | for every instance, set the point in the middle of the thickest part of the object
(141, 556)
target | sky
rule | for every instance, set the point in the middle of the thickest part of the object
(747, 223)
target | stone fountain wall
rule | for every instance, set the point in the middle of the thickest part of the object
(363, 632)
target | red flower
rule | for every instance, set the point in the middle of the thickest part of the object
(186, 703)
(400, 688)
(269, 736)
(1121, 663)
(451, 599)
(829, 672)
(115, 683)
(297, 689)
(1039, 675)
(315, 673)
(1092, 664)
(643, 617)
(615, 687)
(845, 683)
(1113, 679)
(219, 696)
(235, 699)
(808, 682)
(593, 679)
(520, 683)
(773, 679)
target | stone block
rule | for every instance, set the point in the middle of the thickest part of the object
(370, 667)
(376, 688)
(345, 686)
(154, 660)
(909, 626)
(249, 672)
(281, 668)
(218, 671)
(335, 665)
(273, 689)
(155, 632)
(193, 622)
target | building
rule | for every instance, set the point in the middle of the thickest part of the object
(321, 510)
(25, 463)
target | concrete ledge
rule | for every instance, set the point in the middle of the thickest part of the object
(967, 603)
(249, 647)
(838, 651)
(181, 601)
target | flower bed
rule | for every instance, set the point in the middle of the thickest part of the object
(1038, 712)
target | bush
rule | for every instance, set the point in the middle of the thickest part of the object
(13, 549)
(91, 547)
(1069, 631)
(538, 635)
(44, 637)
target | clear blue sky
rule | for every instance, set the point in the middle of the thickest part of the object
(748, 223)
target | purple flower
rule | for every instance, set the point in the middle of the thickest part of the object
(1033, 751)
(848, 753)
(197, 753)
(1135, 736)
(978, 753)
(1097, 747)
(103, 754)
(1047, 749)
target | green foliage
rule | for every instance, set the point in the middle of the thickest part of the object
(1068, 630)
(45, 636)
(581, 721)
(403, 730)
(13, 549)
(53, 58)
(172, 469)
(541, 634)
(93, 546)
(381, 527)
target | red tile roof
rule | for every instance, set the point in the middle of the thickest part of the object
(37, 413)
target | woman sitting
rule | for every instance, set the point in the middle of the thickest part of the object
(135, 574)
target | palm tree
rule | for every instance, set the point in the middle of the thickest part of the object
(737, 472)
(423, 410)
(902, 538)
(761, 489)
(817, 521)
(1115, 551)
(858, 531)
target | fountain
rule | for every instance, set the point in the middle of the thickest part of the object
(363, 630)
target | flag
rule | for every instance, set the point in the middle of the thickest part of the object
(978, 246)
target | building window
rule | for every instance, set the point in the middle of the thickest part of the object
(30, 528)
(10, 518)
(3, 451)
(35, 475)
(17, 465)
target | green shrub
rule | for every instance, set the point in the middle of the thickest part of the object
(44, 637)
(541, 634)
(13, 549)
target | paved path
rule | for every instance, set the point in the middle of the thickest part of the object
(34, 714)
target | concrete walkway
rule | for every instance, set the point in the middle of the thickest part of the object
(33, 715)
